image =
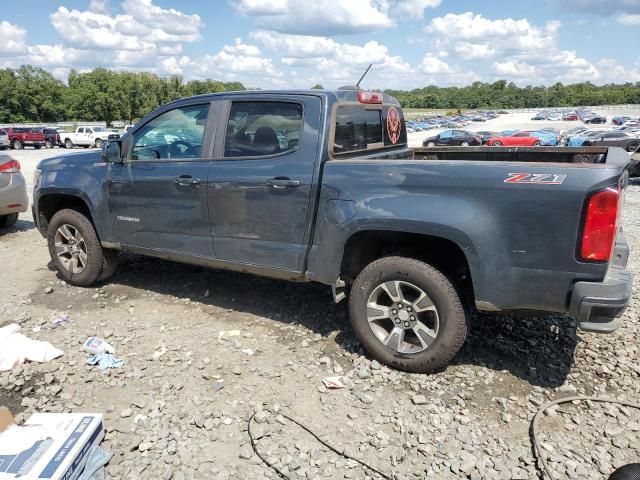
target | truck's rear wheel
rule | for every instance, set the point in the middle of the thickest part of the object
(68, 143)
(75, 249)
(98, 143)
(16, 145)
(407, 314)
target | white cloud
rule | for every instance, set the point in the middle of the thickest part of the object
(515, 69)
(319, 17)
(629, 19)
(99, 6)
(434, 66)
(261, 7)
(12, 38)
(412, 9)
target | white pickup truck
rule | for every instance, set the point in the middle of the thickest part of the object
(85, 137)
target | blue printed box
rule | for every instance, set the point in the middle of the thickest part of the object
(52, 446)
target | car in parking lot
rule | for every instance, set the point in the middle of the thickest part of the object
(4, 139)
(594, 118)
(486, 135)
(518, 139)
(20, 137)
(51, 136)
(570, 116)
(13, 191)
(460, 138)
(614, 139)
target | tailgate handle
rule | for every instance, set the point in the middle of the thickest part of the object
(283, 182)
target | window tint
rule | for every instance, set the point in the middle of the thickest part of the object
(373, 120)
(522, 134)
(81, 130)
(446, 134)
(50, 131)
(176, 134)
(262, 128)
(350, 129)
(3, 132)
(460, 133)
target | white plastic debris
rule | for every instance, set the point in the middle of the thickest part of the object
(97, 345)
(333, 383)
(16, 348)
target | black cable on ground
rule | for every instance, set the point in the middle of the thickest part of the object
(534, 424)
(310, 432)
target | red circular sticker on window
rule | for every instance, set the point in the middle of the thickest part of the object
(393, 125)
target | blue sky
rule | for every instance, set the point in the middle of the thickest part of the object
(297, 43)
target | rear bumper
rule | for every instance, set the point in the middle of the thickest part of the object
(598, 306)
(13, 196)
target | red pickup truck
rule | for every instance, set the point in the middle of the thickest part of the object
(20, 137)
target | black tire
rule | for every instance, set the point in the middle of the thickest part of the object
(7, 221)
(452, 330)
(109, 264)
(536, 144)
(37, 147)
(464, 144)
(633, 146)
(68, 143)
(16, 145)
(95, 254)
(497, 143)
(48, 144)
(431, 144)
(98, 143)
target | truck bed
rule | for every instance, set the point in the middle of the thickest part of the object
(524, 154)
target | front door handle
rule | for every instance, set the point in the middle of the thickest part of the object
(186, 181)
(283, 182)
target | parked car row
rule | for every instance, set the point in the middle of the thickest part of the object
(584, 114)
(49, 137)
(456, 121)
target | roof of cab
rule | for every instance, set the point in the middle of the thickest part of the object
(338, 95)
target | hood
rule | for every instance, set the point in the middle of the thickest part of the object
(70, 159)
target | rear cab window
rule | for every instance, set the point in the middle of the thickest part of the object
(359, 128)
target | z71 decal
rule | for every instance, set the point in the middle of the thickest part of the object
(536, 178)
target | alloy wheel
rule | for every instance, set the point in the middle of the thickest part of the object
(403, 317)
(71, 248)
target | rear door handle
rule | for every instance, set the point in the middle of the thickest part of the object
(186, 180)
(283, 182)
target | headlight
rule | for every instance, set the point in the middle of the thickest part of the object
(36, 178)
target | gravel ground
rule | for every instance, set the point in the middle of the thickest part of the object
(204, 350)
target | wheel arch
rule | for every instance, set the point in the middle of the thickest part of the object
(49, 204)
(364, 246)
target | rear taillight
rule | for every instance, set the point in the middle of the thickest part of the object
(600, 225)
(12, 166)
(369, 97)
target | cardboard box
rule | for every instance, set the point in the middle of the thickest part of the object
(51, 446)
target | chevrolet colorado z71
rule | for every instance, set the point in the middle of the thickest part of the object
(320, 186)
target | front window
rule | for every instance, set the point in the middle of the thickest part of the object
(176, 134)
(262, 128)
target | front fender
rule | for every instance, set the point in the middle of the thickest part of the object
(82, 180)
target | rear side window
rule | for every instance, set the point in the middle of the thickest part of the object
(19, 130)
(258, 129)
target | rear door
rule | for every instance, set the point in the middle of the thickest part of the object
(158, 195)
(261, 180)
(445, 138)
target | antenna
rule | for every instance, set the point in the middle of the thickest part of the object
(363, 75)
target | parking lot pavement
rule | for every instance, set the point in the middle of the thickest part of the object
(205, 349)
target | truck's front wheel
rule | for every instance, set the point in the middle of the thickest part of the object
(75, 249)
(407, 314)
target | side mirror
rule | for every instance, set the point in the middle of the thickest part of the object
(112, 151)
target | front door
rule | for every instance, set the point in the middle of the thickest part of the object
(158, 195)
(445, 138)
(261, 181)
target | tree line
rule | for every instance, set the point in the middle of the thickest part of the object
(501, 94)
(31, 94)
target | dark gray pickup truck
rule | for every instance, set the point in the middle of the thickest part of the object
(320, 186)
